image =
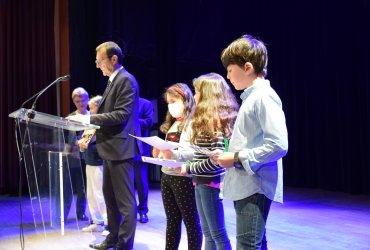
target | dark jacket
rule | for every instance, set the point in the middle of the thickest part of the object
(117, 118)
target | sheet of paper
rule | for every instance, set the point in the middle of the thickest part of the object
(157, 142)
(162, 162)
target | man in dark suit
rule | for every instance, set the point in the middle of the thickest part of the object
(117, 118)
(140, 167)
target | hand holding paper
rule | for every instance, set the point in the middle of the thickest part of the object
(155, 152)
(157, 142)
(215, 154)
(166, 154)
(162, 162)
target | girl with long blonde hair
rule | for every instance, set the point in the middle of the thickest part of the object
(211, 128)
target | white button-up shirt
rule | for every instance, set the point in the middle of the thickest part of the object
(261, 138)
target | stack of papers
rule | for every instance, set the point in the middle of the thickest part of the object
(161, 144)
(162, 162)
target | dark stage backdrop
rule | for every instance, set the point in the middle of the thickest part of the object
(319, 65)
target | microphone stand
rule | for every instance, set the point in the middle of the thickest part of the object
(31, 113)
(21, 145)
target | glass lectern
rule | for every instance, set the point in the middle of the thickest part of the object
(47, 147)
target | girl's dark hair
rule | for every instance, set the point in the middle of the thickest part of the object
(183, 92)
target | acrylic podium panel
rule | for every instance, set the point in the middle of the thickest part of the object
(47, 146)
(48, 121)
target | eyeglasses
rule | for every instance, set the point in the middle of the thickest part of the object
(98, 62)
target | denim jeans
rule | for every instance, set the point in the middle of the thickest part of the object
(211, 212)
(251, 217)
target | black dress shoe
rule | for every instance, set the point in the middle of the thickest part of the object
(121, 246)
(109, 242)
(143, 218)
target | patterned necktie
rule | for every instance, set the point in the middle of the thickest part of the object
(109, 85)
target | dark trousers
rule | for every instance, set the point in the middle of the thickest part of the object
(141, 184)
(73, 182)
(119, 195)
(179, 204)
(76, 174)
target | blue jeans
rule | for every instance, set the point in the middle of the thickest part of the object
(251, 217)
(211, 212)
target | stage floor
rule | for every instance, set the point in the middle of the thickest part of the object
(308, 219)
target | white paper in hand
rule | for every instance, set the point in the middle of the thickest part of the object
(162, 162)
(157, 142)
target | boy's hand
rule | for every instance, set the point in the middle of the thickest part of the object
(215, 154)
(226, 160)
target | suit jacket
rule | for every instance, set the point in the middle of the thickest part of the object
(117, 117)
(146, 121)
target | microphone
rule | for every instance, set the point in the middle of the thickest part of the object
(29, 99)
(31, 114)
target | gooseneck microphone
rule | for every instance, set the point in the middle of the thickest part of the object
(66, 77)
(38, 94)
(60, 79)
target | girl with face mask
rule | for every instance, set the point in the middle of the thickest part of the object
(177, 190)
(176, 108)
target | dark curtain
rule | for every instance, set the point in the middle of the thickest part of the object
(318, 64)
(27, 64)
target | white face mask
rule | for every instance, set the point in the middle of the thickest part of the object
(176, 109)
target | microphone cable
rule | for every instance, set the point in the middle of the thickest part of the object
(20, 153)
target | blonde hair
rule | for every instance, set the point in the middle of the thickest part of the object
(79, 92)
(216, 109)
(95, 100)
